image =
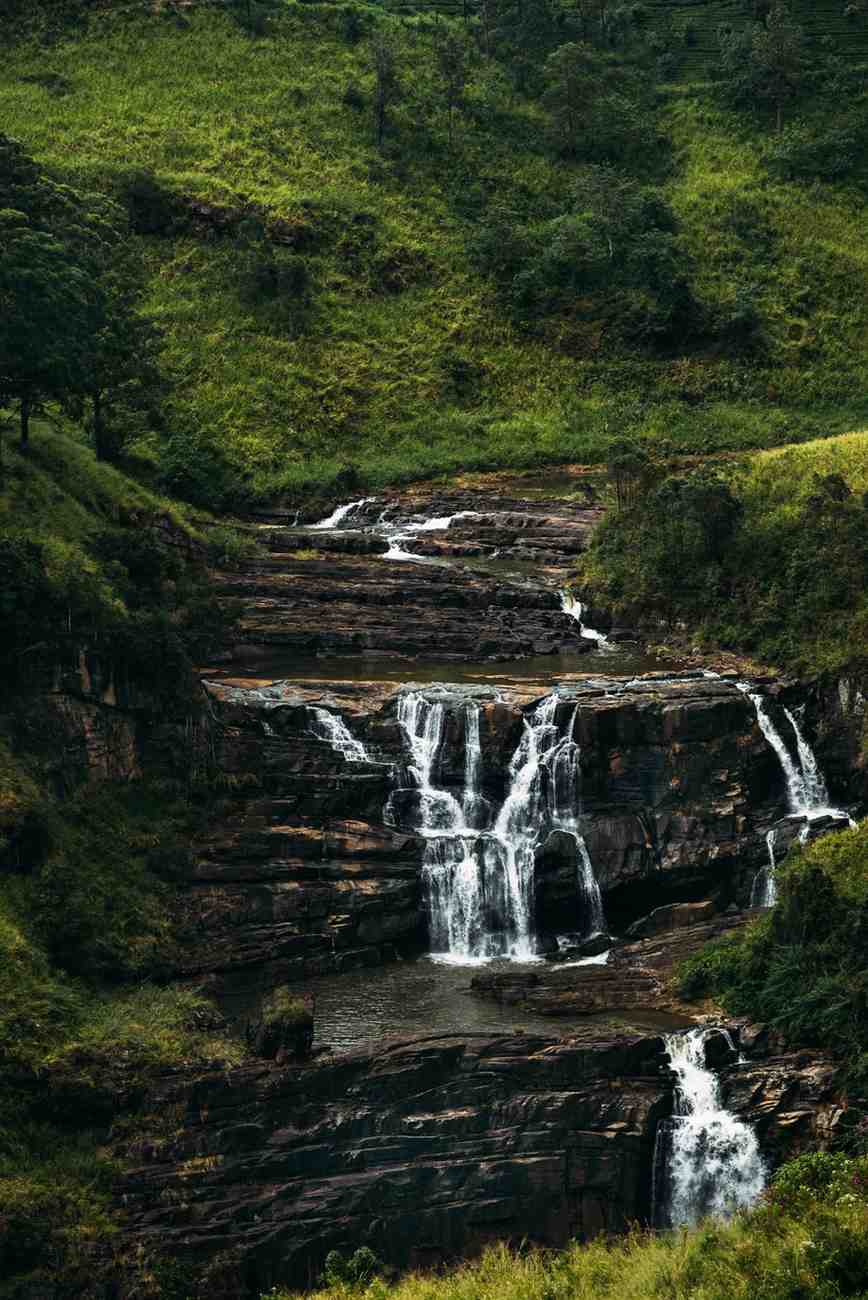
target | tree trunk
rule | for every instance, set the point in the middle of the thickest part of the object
(25, 422)
(98, 429)
(780, 115)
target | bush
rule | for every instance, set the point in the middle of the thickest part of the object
(152, 208)
(804, 967)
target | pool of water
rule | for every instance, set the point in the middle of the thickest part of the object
(543, 670)
(413, 999)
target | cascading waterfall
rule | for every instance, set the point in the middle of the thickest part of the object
(707, 1161)
(765, 890)
(339, 515)
(480, 872)
(331, 727)
(408, 530)
(570, 605)
(796, 789)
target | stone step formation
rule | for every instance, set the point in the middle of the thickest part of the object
(648, 797)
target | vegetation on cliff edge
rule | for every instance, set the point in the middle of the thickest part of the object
(767, 554)
(803, 967)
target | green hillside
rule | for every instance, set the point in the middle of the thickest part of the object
(332, 314)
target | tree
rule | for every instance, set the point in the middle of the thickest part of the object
(778, 58)
(572, 81)
(71, 329)
(452, 58)
(120, 371)
(387, 84)
(43, 312)
(766, 62)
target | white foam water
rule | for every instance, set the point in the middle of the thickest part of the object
(570, 605)
(412, 527)
(765, 890)
(340, 514)
(331, 727)
(709, 1159)
(807, 794)
(479, 869)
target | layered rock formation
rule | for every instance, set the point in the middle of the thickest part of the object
(328, 592)
(677, 785)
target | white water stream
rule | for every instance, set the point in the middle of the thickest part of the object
(331, 727)
(570, 605)
(339, 515)
(765, 889)
(807, 793)
(707, 1160)
(479, 867)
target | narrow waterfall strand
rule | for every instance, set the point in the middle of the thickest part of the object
(796, 790)
(765, 889)
(807, 794)
(714, 1166)
(331, 727)
(570, 605)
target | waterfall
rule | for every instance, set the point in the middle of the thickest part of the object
(816, 794)
(479, 868)
(765, 891)
(796, 789)
(574, 608)
(407, 531)
(707, 1161)
(337, 516)
(333, 729)
(807, 794)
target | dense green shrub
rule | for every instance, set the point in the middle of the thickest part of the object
(804, 967)
(771, 557)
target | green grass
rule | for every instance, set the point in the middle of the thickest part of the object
(272, 397)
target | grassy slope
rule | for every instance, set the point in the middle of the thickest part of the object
(788, 587)
(365, 377)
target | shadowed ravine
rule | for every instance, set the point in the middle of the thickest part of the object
(476, 828)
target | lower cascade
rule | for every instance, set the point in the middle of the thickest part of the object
(479, 863)
(706, 1160)
(765, 889)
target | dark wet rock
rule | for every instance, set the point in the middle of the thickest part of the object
(719, 1050)
(430, 1149)
(674, 916)
(572, 946)
(329, 592)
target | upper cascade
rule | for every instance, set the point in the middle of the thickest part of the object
(707, 1160)
(479, 863)
(807, 794)
(574, 607)
(331, 727)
